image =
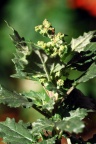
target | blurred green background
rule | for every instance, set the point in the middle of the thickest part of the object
(24, 15)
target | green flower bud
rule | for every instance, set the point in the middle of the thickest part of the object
(46, 23)
(49, 44)
(60, 82)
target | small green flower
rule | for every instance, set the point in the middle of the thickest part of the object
(38, 28)
(60, 83)
(61, 50)
(49, 44)
(41, 44)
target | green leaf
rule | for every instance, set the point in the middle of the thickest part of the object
(91, 47)
(15, 133)
(40, 99)
(83, 60)
(18, 41)
(30, 66)
(49, 141)
(91, 73)
(81, 42)
(79, 112)
(20, 61)
(13, 99)
(73, 123)
(42, 124)
(57, 67)
(22, 51)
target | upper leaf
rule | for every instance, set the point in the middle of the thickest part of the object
(22, 51)
(15, 133)
(81, 42)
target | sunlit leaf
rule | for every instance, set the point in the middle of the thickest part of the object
(73, 123)
(81, 42)
(42, 124)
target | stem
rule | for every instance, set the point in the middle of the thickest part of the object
(70, 90)
(45, 69)
(41, 112)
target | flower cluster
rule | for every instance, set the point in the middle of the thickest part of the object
(56, 45)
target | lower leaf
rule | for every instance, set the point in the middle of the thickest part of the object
(15, 133)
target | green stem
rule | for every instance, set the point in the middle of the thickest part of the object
(41, 112)
(45, 69)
